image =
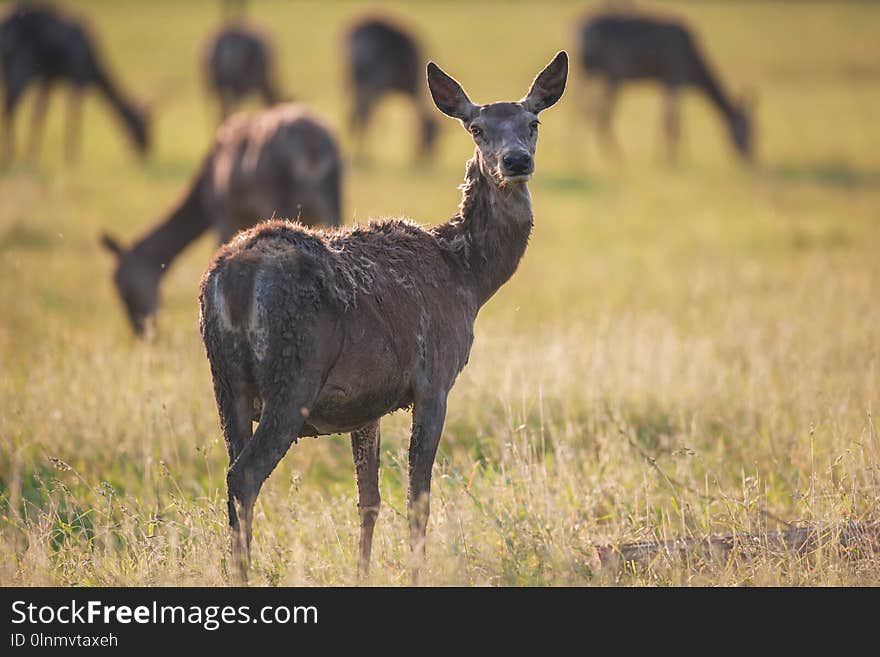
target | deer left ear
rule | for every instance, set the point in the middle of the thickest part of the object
(549, 85)
(448, 95)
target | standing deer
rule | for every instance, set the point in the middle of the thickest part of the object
(382, 59)
(239, 62)
(279, 162)
(624, 47)
(40, 46)
(313, 332)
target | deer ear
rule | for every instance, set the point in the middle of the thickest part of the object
(547, 88)
(112, 245)
(448, 95)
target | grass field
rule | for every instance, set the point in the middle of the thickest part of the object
(682, 352)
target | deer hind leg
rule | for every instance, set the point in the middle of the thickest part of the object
(428, 417)
(267, 92)
(365, 449)
(236, 405)
(74, 123)
(604, 117)
(672, 122)
(227, 103)
(322, 204)
(279, 426)
(360, 117)
(38, 119)
(16, 83)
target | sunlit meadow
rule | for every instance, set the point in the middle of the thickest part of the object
(684, 351)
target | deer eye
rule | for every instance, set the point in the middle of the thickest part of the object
(533, 126)
(476, 131)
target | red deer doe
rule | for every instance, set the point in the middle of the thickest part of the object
(278, 162)
(238, 62)
(38, 45)
(621, 48)
(316, 332)
(382, 59)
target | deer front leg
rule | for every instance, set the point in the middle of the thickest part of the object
(365, 449)
(428, 417)
(74, 124)
(672, 123)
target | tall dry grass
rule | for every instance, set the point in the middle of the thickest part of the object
(682, 353)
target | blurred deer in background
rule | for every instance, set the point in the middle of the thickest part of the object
(278, 162)
(382, 59)
(314, 332)
(40, 46)
(622, 47)
(238, 62)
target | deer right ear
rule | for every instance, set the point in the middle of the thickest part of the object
(111, 245)
(549, 85)
(448, 95)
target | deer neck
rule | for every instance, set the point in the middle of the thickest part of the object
(491, 230)
(158, 248)
(117, 99)
(713, 89)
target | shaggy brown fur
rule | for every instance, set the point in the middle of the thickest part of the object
(316, 332)
(278, 162)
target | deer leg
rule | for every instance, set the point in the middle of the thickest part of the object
(74, 123)
(360, 117)
(279, 426)
(38, 120)
(236, 412)
(322, 205)
(365, 449)
(603, 120)
(672, 123)
(427, 127)
(236, 406)
(587, 96)
(267, 91)
(226, 103)
(428, 417)
(13, 93)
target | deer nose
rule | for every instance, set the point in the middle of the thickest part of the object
(517, 163)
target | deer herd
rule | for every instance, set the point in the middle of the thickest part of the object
(310, 327)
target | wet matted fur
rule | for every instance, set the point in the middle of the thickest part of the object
(314, 332)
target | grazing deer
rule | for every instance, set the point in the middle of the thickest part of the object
(239, 62)
(316, 332)
(39, 45)
(623, 47)
(278, 162)
(383, 58)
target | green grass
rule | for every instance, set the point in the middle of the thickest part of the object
(682, 352)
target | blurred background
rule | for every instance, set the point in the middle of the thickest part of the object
(686, 348)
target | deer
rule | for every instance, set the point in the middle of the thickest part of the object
(383, 58)
(311, 332)
(624, 47)
(280, 161)
(39, 46)
(238, 61)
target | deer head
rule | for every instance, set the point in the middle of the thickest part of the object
(506, 134)
(741, 127)
(137, 283)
